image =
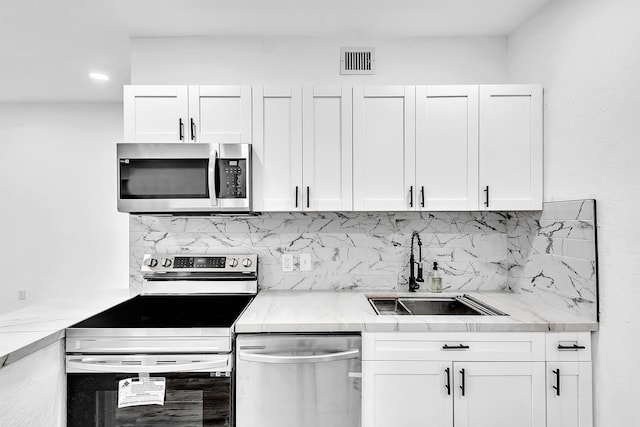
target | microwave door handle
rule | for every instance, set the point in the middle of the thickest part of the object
(213, 157)
(88, 365)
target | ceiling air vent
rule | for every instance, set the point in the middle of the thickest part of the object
(357, 60)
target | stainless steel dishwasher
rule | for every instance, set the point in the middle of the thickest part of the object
(298, 380)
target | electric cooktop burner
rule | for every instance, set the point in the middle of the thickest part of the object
(171, 311)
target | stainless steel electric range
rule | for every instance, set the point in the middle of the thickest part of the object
(165, 357)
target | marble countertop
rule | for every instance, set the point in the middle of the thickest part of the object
(29, 329)
(329, 311)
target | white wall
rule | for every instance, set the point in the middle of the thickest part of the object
(34, 389)
(60, 228)
(299, 60)
(586, 53)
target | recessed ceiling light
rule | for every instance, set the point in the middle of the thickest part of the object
(99, 76)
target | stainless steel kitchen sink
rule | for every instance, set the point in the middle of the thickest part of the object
(462, 305)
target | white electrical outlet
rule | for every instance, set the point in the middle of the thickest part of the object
(287, 262)
(305, 262)
(22, 294)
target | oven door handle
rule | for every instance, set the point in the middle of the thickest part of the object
(213, 164)
(86, 364)
(316, 358)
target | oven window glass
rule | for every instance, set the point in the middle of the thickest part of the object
(191, 399)
(164, 179)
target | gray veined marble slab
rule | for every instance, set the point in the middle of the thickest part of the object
(349, 250)
(547, 258)
(337, 311)
(29, 329)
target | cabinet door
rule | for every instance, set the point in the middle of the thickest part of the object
(327, 149)
(219, 114)
(569, 394)
(407, 394)
(277, 149)
(447, 148)
(383, 148)
(155, 113)
(499, 394)
(510, 147)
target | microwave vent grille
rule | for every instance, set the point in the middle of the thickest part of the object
(357, 60)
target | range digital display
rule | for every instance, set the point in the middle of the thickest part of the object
(199, 262)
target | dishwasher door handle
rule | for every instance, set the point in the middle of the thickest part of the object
(315, 358)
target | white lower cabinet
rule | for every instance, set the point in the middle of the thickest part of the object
(463, 380)
(460, 394)
(569, 379)
(569, 395)
(407, 394)
(499, 394)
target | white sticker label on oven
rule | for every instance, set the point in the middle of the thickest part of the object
(141, 391)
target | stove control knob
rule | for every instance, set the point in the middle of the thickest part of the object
(233, 262)
(151, 262)
(165, 262)
(246, 263)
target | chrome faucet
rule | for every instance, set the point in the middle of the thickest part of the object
(413, 280)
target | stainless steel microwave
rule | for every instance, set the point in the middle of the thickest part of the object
(183, 177)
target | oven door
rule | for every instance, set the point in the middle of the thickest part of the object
(184, 177)
(198, 390)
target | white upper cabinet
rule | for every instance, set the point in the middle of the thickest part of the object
(446, 160)
(383, 148)
(277, 149)
(372, 148)
(510, 147)
(220, 114)
(155, 113)
(213, 114)
(327, 149)
(296, 171)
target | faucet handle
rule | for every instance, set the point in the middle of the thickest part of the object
(419, 277)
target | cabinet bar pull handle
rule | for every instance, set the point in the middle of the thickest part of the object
(448, 384)
(556, 387)
(193, 130)
(462, 381)
(486, 196)
(411, 196)
(308, 204)
(455, 347)
(296, 196)
(422, 196)
(181, 129)
(570, 347)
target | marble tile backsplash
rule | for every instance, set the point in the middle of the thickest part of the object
(554, 257)
(549, 254)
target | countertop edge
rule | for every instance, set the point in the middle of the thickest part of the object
(247, 328)
(31, 348)
(12, 323)
(281, 311)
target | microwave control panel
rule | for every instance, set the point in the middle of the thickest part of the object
(231, 182)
